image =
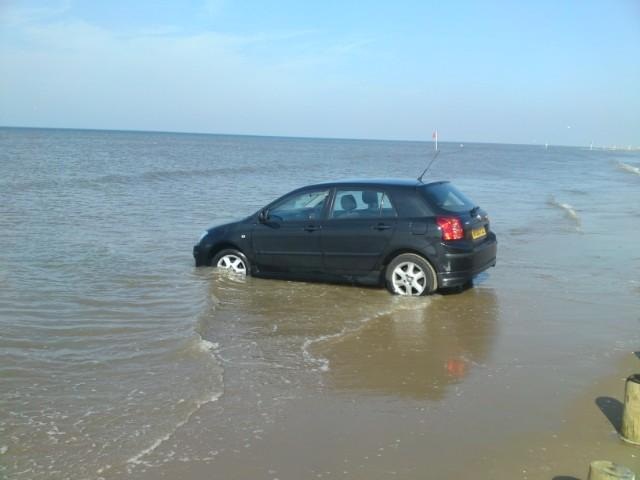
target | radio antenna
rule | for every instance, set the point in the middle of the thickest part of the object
(435, 155)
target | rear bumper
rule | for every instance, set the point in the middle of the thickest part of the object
(461, 265)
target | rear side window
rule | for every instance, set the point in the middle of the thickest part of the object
(362, 204)
(444, 196)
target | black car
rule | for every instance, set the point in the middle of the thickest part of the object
(413, 237)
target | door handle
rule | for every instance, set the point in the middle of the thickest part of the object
(381, 226)
(311, 228)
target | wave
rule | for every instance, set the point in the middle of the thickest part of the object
(321, 362)
(577, 191)
(629, 168)
(197, 347)
(168, 175)
(401, 303)
(129, 179)
(570, 212)
(521, 231)
(200, 345)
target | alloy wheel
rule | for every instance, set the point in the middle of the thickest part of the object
(233, 263)
(408, 278)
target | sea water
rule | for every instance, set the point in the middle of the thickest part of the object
(112, 343)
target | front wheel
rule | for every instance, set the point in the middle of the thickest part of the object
(410, 274)
(232, 260)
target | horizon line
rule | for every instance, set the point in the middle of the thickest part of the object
(461, 142)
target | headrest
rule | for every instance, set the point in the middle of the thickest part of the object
(348, 202)
(370, 198)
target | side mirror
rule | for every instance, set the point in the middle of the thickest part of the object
(263, 216)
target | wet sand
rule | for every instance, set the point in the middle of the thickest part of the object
(587, 431)
(487, 383)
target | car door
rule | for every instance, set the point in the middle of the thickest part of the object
(358, 230)
(287, 238)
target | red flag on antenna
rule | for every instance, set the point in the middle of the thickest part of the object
(435, 134)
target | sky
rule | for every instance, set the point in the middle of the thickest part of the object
(563, 72)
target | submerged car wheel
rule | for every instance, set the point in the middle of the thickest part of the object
(232, 260)
(410, 274)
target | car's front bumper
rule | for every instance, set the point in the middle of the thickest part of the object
(201, 255)
(461, 265)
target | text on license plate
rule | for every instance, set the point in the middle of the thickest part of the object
(478, 232)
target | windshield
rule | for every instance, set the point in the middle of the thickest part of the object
(445, 196)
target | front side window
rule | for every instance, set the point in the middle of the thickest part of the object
(362, 204)
(300, 206)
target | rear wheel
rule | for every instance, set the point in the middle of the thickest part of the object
(411, 275)
(232, 260)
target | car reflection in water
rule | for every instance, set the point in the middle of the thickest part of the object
(416, 352)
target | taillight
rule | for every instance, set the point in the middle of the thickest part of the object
(451, 228)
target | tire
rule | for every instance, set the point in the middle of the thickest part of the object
(232, 260)
(411, 275)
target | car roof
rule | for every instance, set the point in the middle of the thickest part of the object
(375, 182)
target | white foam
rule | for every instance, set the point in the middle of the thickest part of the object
(322, 363)
(629, 168)
(568, 209)
(136, 459)
(207, 346)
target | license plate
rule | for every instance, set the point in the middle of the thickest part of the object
(478, 233)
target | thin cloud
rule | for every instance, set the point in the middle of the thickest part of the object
(11, 15)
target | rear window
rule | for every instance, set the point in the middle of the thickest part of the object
(445, 196)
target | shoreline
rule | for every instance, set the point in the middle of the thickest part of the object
(584, 434)
(426, 411)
